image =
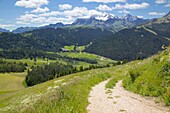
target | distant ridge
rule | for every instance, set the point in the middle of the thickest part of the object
(24, 29)
(4, 30)
(108, 21)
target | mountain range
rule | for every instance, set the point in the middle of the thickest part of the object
(4, 30)
(138, 42)
(113, 23)
(23, 29)
(110, 22)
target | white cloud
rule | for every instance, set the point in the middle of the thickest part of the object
(104, 8)
(124, 11)
(65, 6)
(6, 25)
(160, 1)
(131, 6)
(22, 23)
(104, 1)
(27, 17)
(167, 5)
(31, 3)
(95, 13)
(52, 13)
(76, 12)
(156, 13)
(56, 20)
(38, 20)
(40, 10)
(66, 16)
(124, 6)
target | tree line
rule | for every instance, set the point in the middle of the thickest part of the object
(12, 66)
(21, 53)
(50, 71)
(47, 72)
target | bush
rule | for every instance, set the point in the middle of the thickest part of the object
(166, 97)
(165, 73)
(133, 75)
(165, 70)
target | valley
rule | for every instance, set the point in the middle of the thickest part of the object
(85, 60)
(72, 91)
(72, 87)
(126, 44)
(17, 80)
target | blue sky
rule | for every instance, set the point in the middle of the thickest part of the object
(21, 13)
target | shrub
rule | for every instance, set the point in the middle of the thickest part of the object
(165, 72)
(133, 75)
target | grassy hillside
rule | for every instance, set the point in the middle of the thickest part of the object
(129, 44)
(10, 83)
(70, 48)
(50, 39)
(67, 94)
(151, 77)
(30, 62)
(65, 58)
(138, 42)
(83, 55)
(77, 48)
(126, 44)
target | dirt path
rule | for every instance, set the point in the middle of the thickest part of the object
(118, 100)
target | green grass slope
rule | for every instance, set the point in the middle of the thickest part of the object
(130, 44)
(68, 94)
(10, 83)
(100, 60)
(137, 42)
(151, 77)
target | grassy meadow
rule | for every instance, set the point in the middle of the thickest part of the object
(99, 59)
(71, 48)
(40, 62)
(77, 48)
(151, 77)
(67, 94)
(10, 83)
(30, 63)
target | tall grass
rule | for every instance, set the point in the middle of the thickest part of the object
(70, 95)
(68, 98)
(152, 78)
